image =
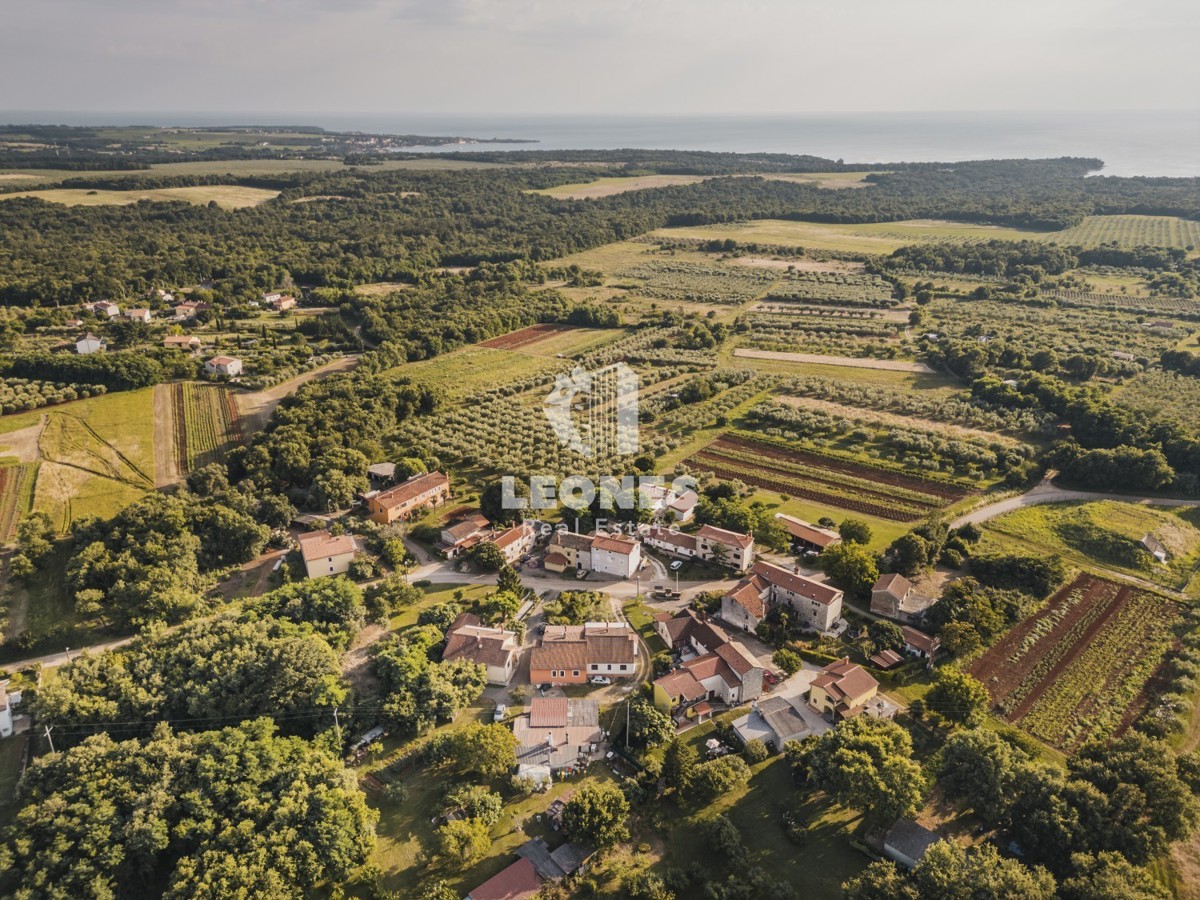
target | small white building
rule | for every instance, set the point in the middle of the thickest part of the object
(224, 365)
(6, 716)
(88, 343)
(181, 342)
(514, 542)
(327, 554)
(139, 315)
(616, 556)
(105, 309)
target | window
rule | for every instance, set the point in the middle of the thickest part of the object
(575, 673)
(624, 667)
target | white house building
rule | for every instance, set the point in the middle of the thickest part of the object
(224, 365)
(327, 554)
(616, 556)
(88, 343)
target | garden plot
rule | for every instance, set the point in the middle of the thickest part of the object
(207, 424)
(1080, 667)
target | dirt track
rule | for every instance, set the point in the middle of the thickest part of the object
(256, 408)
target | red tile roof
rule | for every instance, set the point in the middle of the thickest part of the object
(322, 544)
(797, 584)
(747, 594)
(613, 544)
(512, 535)
(846, 681)
(548, 712)
(895, 584)
(919, 639)
(682, 684)
(517, 882)
(813, 534)
(721, 536)
(411, 489)
(559, 655)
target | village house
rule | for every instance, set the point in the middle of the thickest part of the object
(229, 366)
(665, 505)
(104, 309)
(557, 733)
(74, 323)
(181, 342)
(614, 555)
(570, 654)
(842, 690)
(1154, 547)
(894, 596)
(279, 302)
(464, 534)
(709, 544)
(513, 542)
(186, 310)
(907, 842)
(818, 604)
(774, 721)
(727, 673)
(496, 649)
(806, 537)
(327, 554)
(417, 493)
(919, 644)
(139, 315)
(518, 881)
(688, 629)
(88, 343)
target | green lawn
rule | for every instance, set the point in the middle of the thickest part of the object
(1100, 533)
(435, 594)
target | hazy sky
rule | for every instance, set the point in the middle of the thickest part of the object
(597, 56)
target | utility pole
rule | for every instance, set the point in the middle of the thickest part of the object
(337, 726)
(50, 728)
(67, 650)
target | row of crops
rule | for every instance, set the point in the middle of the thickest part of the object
(1080, 668)
(834, 288)
(830, 480)
(24, 394)
(208, 414)
(16, 496)
(1178, 306)
(698, 282)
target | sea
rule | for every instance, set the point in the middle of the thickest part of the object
(1131, 143)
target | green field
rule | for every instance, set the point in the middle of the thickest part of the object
(1161, 393)
(97, 455)
(474, 368)
(227, 196)
(1103, 533)
(1133, 231)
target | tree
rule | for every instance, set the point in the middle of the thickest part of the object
(724, 840)
(851, 567)
(508, 580)
(477, 802)
(596, 813)
(487, 557)
(649, 726)
(910, 554)
(486, 750)
(754, 752)
(880, 881)
(719, 776)
(958, 697)
(462, 841)
(855, 531)
(214, 813)
(679, 765)
(867, 764)
(979, 767)
(960, 638)
(885, 636)
(788, 661)
(954, 873)
(1109, 876)
(497, 607)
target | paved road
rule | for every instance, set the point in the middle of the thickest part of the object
(1048, 492)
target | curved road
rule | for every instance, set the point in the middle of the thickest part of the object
(1048, 492)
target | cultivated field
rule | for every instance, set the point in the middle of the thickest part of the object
(891, 365)
(206, 424)
(1132, 231)
(1163, 393)
(474, 368)
(1079, 668)
(552, 340)
(16, 496)
(607, 187)
(826, 479)
(227, 196)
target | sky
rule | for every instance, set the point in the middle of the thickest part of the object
(686, 57)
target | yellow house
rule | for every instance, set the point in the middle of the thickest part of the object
(842, 690)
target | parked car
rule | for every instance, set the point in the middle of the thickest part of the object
(770, 677)
(677, 565)
(500, 713)
(600, 679)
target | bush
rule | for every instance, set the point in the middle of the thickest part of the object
(755, 751)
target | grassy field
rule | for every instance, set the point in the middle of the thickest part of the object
(227, 196)
(474, 368)
(883, 237)
(1104, 534)
(607, 187)
(1161, 393)
(97, 455)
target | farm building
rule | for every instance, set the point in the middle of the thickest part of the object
(494, 648)
(818, 604)
(1154, 547)
(181, 342)
(894, 596)
(554, 865)
(417, 493)
(806, 537)
(570, 654)
(842, 690)
(919, 644)
(327, 554)
(906, 842)
(224, 365)
(383, 473)
(88, 343)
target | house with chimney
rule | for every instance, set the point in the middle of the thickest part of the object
(709, 544)
(513, 542)
(604, 553)
(818, 605)
(895, 597)
(492, 647)
(417, 494)
(842, 690)
(714, 668)
(571, 654)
